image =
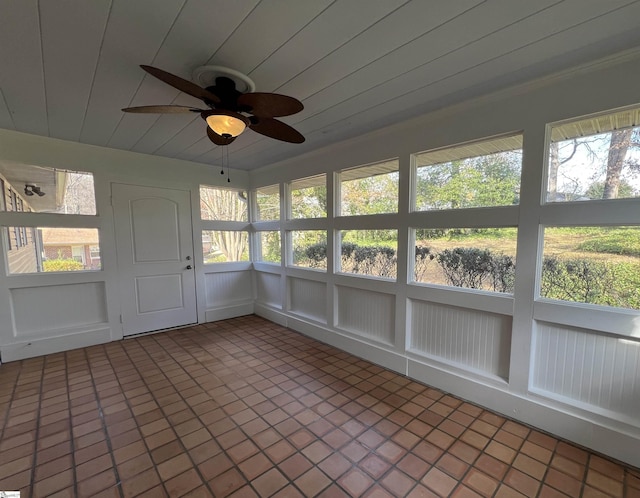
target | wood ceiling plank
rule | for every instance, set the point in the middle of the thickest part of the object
(437, 45)
(163, 130)
(528, 31)
(331, 29)
(197, 33)
(134, 34)
(198, 149)
(184, 139)
(22, 77)
(266, 29)
(71, 38)
(399, 28)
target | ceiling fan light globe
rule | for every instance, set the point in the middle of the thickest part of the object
(227, 124)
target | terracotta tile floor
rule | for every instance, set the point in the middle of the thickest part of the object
(247, 408)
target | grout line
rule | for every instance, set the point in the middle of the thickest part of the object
(245, 353)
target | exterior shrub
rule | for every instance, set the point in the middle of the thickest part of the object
(423, 256)
(591, 281)
(62, 265)
(316, 255)
(575, 280)
(379, 261)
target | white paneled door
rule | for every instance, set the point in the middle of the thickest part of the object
(155, 257)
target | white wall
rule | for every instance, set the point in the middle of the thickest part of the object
(570, 369)
(44, 313)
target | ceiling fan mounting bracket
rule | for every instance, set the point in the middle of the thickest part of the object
(205, 76)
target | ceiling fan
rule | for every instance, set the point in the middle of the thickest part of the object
(230, 111)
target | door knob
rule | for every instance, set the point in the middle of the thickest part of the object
(188, 267)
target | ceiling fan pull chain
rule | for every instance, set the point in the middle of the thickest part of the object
(228, 178)
(222, 170)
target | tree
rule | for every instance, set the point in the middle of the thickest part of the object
(554, 166)
(370, 195)
(227, 205)
(618, 147)
(79, 195)
(596, 190)
(491, 180)
(309, 202)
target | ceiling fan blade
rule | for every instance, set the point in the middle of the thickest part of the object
(219, 139)
(277, 129)
(270, 105)
(181, 84)
(162, 109)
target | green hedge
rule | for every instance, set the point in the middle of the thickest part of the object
(62, 265)
(567, 279)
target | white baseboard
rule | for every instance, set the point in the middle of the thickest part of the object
(228, 311)
(378, 355)
(65, 342)
(619, 441)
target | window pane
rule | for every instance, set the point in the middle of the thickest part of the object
(598, 265)
(33, 250)
(268, 202)
(481, 174)
(475, 258)
(223, 204)
(224, 246)
(270, 246)
(369, 252)
(46, 190)
(595, 158)
(309, 197)
(309, 248)
(371, 189)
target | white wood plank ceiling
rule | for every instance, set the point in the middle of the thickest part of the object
(67, 67)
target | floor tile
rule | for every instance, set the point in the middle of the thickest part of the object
(247, 408)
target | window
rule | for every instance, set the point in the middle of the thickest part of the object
(268, 203)
(77, 253)
(590, 264)
(47, 190)
(369, 189)
(35, 189)
(475, 258)
(479, 174)
(223, 204)
(269, 241)
(595, 158)
(220, 246)
(369, 252)
(50, 249)
(309, 248)
(309, 197)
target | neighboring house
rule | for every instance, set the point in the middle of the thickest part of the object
(20, 241)
(79, 244)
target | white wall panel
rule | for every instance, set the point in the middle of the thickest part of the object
(269, 289)
(38, 310)
(228, 287)
(588, 367)
(470, 338)
(366, 313)
(308, 298)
